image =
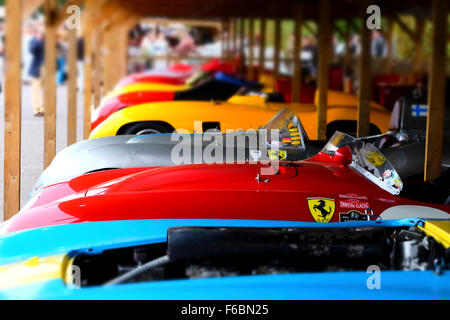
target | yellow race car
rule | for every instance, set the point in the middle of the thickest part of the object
(240, 112)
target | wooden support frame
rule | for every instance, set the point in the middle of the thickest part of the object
(72, 96)
(13, 108)
(389, 47)
(418, 46)
(323, 76)
(277, 48)
(436, 92)
(233, 38)
(403, 26)
(225, 34)
(310, 29)
(29, 7)
(62, 13)
(97, 60)
(296, 80)
(50, 12)
(365, 76)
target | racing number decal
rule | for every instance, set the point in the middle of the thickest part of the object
(322, 209)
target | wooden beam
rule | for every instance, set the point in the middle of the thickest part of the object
(87, 95)
(364, 75)
(251, 46)
(241, 36)
(72, 87)
(187, 22)
(403, 26)
(310, 29)
(225, 30)
(109, 41)
(13, 107)
(62, 13)
(296, 80)
(97, 60)
(50, 10)
(233, 39)
(277, 48)
(436, 92)
(262, 46)
(324, 52)
(101, 11)
(29, 7)
(418, 46)
(389, 47)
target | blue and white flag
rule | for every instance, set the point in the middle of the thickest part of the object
(419, 110)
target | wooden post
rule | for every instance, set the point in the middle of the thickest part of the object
(97, 67)
(418, 47)
(262, 46)
(389, 51)
(88, 35)
(223, 45)
(72, 88)
(50, 10)
(277, 49)
(13, 107)
(251, 45)
(324, 51)
(235, 38)
(365, 68)
(123, 50)
(436, 92)
(296, 80)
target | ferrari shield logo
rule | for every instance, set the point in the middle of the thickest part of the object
(322, 209)
(277, 154)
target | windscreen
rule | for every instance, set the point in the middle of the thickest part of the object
(367, 160)
(291, 133)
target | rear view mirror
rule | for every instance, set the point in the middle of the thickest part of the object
(343, 155)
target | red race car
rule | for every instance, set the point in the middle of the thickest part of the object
(177, 74)
(347, 181)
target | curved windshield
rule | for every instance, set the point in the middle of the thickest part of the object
(367, 160)
(291, 132)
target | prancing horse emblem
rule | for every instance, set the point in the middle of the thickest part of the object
(322, 209)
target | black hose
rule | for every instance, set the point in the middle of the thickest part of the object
(139, 270)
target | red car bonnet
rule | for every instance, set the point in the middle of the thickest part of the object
(298, 192)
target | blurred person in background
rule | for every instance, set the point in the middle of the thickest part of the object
(160, 48)
(146, 48)
(80, 63)
(26, 54)
(36, 49)
(186, 45)
(62, 50)
(378, 45)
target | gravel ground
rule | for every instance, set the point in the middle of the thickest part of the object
(32, 139)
